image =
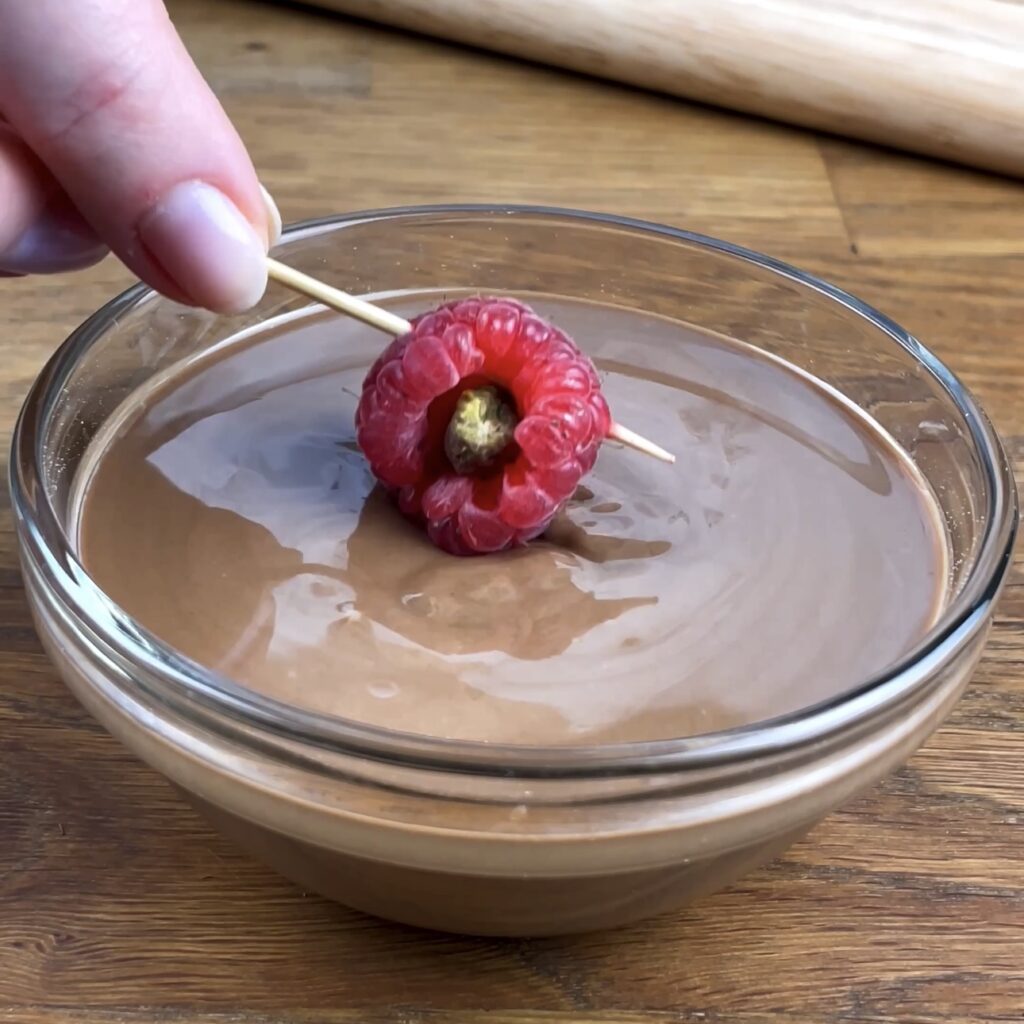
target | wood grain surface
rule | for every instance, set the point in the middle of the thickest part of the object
(940, 77)
(117, 904)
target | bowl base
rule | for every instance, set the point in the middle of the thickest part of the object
(491, 906)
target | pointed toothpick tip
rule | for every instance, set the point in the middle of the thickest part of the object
(638, 443)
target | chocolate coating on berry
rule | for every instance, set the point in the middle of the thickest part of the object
(414, 391)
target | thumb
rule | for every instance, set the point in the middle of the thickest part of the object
(106, 95)
(41, 232)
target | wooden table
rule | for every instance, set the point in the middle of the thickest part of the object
(117, 904)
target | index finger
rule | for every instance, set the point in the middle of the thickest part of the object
(107, 96)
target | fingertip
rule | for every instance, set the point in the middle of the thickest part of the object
(275, 226)
(200, 239)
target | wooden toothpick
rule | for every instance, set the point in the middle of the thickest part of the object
(631, 439)
(395, 325)
(337, 299)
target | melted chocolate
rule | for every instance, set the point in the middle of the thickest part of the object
(790, 553)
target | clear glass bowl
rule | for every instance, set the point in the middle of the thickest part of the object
(518, 840)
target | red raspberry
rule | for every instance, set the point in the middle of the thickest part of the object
(482, 421)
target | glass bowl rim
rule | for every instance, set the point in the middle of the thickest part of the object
(238, 710)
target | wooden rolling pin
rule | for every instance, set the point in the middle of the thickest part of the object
(942, 77)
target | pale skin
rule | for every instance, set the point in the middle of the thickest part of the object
(111, 141)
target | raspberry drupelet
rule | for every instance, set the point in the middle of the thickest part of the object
(481, 422)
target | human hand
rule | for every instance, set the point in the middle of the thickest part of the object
(110, 138)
